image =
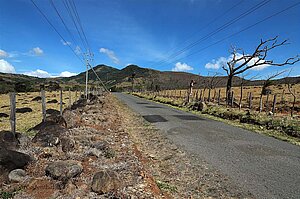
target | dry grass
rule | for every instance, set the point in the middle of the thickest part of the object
(26, 121)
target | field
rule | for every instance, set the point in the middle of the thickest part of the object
(25, 121)
(284, 98)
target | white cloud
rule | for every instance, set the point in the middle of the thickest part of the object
(216, 64)
(65, 43)
(37, 51)
(182, 67)
(110, 54)
(38, 73)
(67, 74)
(3, 54)
(6, 67)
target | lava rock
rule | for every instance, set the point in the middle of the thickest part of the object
(71, 118)
(4, 115)
(52, 101)
(51, 111)
(10, 160)
(105, 181)
(202, 106)
(50, 135)
(67, 144)
(63, 170)
(38, 98)
(8, 140)
(23, 110)
(17, 175)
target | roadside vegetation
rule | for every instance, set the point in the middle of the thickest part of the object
(283, 126)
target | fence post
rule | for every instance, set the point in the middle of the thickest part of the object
(80, 94)
(201, 96)
(219, 96)
(12, 117)
(250, 100)
(267, 102)
(232, 98)
(70, 100)
(274, 104)
(61, 101)
(43, 104)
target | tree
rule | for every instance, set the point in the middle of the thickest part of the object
(241, 62)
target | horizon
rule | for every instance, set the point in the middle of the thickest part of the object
(146, 34)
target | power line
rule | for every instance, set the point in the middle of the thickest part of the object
(244, 29)
(72, 16)
(66, 27)
(36, 6)
(244, 14)
(205, 26)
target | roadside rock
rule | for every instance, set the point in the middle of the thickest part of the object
(67, 144)
(23, 110)
(63, 170)
(17, 175)
(50, 135)
(202, 106)
(10, 160)
(8, 140)
(105, 181)
(71, 118)
(24, 140)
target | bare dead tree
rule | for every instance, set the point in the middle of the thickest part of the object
(266, 84)
(241, 62)
(212, 82)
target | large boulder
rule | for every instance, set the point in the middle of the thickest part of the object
(63, 170)
(72, 119)
(10, 160)
(202, 106)
(38, 98)
(50, 135)
(105, 181)
(8, 140)
(4, 115)
(54, 101)
(23, 110)
(51, 111)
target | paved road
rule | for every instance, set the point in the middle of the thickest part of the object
(267, 167)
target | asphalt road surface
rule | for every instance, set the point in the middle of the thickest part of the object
(266, 167)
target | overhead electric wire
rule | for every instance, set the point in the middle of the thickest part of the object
(65, 25)
(244, 14)
(203, 27)
(45, 17)
(244, 29)
(72, 16)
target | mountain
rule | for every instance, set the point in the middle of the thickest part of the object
(144, 78)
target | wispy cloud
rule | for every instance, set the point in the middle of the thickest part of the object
(110, 54)
(3, 54)
(77, 50)
(37, 51)
(216, 64)
(6, 67)
(65, 43)
(182, 67)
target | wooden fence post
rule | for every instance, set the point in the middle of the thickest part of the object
(274, 104)
(219, 96)
(12, 117)
(43, 104)
(61, 101)
(232, 98)
(201, 96)
(70, 100)
(80, 94)
(267, 102)
(250, 100)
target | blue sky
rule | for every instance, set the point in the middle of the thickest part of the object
(142, 32)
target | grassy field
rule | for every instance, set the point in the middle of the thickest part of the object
(283, 96)
(26, 121)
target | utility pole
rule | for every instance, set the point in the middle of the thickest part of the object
(86, 75)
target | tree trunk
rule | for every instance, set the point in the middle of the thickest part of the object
(228, 89)
(260, 102)
(293, 107)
